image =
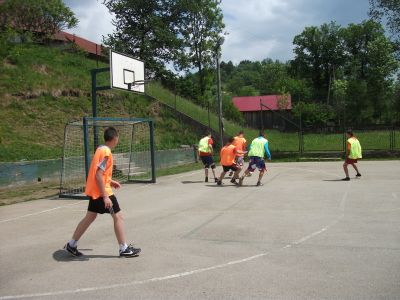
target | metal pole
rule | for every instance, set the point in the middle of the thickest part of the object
(94, 109)
(152, 151)
(86, 145)
(208, 112)
(221, 128)
(261, 116)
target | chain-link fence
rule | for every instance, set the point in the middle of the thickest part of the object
(378, 138)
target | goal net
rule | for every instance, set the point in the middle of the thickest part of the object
(133, 157)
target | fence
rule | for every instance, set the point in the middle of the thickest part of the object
(28, 172)
(378, 138)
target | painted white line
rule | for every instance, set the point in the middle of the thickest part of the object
(49, 210)
(187, 273)
(173, 276)
(39, 212)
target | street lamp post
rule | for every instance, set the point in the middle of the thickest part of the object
(220, 124)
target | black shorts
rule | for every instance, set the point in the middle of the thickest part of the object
(97, 205)
(234, 168)
(208, 162)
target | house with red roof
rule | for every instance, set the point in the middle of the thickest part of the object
(267, 111)
(93, 49)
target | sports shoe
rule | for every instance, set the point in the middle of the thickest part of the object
(346, 179)
(230, 173)
(130, 251)
(72, 250)
(234, 181)
(358, 175)
(241, 180)
(219, 182)
(216, 179)
(206, 180)
(259, 183)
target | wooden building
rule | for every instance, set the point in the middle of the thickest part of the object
(265, 111)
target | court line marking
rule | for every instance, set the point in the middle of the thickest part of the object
(177, 275)
(50, 209)
(188, 273)
(39, 212)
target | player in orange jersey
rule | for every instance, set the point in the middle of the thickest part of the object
(228, 155)
(99, 186)
(241, 144)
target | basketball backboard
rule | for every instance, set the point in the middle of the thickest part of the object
(126, 72)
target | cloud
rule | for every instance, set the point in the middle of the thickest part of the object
(258, 29)
(94, 19)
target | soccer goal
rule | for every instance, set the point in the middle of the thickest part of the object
(133, 157)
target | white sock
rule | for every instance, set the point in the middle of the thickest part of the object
(122, 247)
(73, 243)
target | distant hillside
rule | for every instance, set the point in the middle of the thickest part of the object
(43, 88)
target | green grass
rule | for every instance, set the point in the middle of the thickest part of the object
(43, 88)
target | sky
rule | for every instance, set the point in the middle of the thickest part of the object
(256, 29)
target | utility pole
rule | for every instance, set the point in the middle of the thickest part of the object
(220, 124)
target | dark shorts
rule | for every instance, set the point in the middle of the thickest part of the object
(234, 168)
(350, 161)
(256, 162)
(208, 161)
(97, 205)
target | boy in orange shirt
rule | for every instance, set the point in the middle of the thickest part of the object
(240, 143)
(99, 186)
(228, 154)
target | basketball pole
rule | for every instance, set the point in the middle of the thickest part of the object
(220, 124)
(96, 88)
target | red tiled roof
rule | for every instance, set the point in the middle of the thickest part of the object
(86, 45)
(252, 103)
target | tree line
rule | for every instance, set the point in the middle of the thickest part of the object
(338, 74)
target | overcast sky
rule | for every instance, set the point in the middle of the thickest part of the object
(257, 29)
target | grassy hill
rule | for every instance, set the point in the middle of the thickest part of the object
(43, 88)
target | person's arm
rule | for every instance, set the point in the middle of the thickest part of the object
(348, 149)
(210, 145)
(115, 184)
(267, 150)
(100, 184)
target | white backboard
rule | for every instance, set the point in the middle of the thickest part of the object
(126, 72)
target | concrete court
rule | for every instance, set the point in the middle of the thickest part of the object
(303, 235)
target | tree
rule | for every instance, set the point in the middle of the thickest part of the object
(319, 54)
(146, 30)
(44, 17)
(388, 10)
(200, 27)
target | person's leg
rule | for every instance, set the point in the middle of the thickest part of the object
(346, 170)
(206, 172)
(356, 169)
(221, 177)
(237, 172)
(260, 176)
(213, 171)
(119, 228)
(84, 225)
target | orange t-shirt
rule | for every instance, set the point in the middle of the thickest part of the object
(228, 154)
(99, 161)
(240, 144)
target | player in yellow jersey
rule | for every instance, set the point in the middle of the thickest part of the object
(102, 200)
(353, 153)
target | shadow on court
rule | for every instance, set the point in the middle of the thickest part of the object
(190, 181)
(62, 255)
